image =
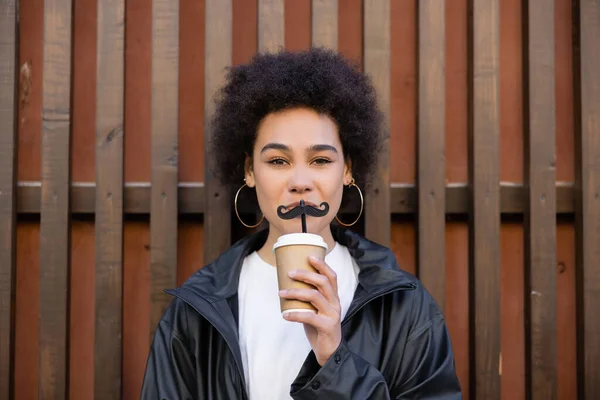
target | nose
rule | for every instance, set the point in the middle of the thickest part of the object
(301, 181)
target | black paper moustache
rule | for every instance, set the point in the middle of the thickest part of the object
(295, 212)
(303, 210)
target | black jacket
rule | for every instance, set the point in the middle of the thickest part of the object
(395, 342)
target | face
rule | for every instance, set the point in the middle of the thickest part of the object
(297, 156)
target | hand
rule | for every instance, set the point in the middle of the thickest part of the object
(323, 328)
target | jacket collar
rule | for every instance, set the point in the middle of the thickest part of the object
(378, 269)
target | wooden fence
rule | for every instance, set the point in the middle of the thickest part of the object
(490, 191)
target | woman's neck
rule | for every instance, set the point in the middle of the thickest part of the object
(266, 251)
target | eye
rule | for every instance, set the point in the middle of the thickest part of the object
(277, 162)
(321, 161)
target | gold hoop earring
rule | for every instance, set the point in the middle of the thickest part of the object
(362, 203)
(238, 215)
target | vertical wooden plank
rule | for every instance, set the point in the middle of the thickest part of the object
(8, 159)
(27, 311)
(512, 292)
(350, 28)
(403, 91)
(297, 22)
(588, 183)
(456, 305)
(163, 208)
(218, 35)
(54, 230)
(324, 25)
(485, 218)
(567, 369)
(431, 148)
(83, 147)
(81, 306)
(377, 66)
(540, 218)
(271, 36)
(136, 310)
(191, 91)
(109, 199)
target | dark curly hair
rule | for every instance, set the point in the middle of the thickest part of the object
(320, 79)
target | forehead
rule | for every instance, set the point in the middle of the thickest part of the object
(298, 128)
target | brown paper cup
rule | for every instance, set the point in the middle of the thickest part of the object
(291, 253)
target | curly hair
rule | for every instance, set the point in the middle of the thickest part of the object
(320, 79)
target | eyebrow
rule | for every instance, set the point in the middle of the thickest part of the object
(313, 148)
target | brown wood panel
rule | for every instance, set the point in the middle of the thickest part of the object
(27, 310)
(512, 300)
(189, 249)
(217, 221)
(244, 31)
(138, 89)
(8, 160)
(109, 199)
(136, 307)
(297, 22)
(191, 91)
(456, 310)
(457, 94)
(564, 89)
(566, 288)
(540, 174)
(54, 229)
(271, 28)
(324, 23)
(163, 207)
(350, 30)
(566, 317)
(83, 152)
(403, 244)
(512, 305)
(484, 176)
(31, 26)
(431, 148)
(457, 280)
(377, 66)
(83, 169)
(588, 183)
(81, 312)
(511, 90)
(403, 90)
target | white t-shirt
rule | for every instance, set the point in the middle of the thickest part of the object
(273, 349)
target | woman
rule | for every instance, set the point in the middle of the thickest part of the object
(300, 126)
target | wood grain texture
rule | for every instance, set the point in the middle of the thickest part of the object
(217, 217)
(588, 178)
(431, 148)
(109, 199)
(55, 224)
(324, 23)
(540, 220)
(8, 164)
(484, 179)
(271, 27)
(377, 67)
(164, 155)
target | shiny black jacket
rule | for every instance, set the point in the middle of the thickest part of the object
(395, 342)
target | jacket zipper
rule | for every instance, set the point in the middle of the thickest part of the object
(346, 319)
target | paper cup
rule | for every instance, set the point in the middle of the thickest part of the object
(291, 253)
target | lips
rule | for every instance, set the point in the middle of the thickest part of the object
(297, 203)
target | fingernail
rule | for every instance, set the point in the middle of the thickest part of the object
(313, 258)
(282, 292)
(292, 274)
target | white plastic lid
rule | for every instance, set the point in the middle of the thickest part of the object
(300, 238)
